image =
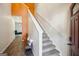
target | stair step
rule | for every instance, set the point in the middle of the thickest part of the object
(46, 40)
(47, 43)
(55, 54)
(49, 48)
(45, 35)
(51, 52)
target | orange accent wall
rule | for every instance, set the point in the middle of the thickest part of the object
(18, 9)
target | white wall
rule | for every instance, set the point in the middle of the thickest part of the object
(6, 27)
(58, 16)
(5, 9)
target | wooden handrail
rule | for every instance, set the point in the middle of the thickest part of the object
(25, 5)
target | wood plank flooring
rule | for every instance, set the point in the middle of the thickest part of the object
(15, 49)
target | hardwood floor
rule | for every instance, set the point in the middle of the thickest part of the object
(15, 49)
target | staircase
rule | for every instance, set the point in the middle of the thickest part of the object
(48, 49)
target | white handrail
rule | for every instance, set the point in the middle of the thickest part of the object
(35, 22)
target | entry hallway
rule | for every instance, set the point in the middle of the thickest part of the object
(15, 49)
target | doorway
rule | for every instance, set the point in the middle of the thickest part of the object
(74, 29)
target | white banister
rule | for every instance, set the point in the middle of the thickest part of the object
(35, 33)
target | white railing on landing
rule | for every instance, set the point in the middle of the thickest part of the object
(35, 34)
